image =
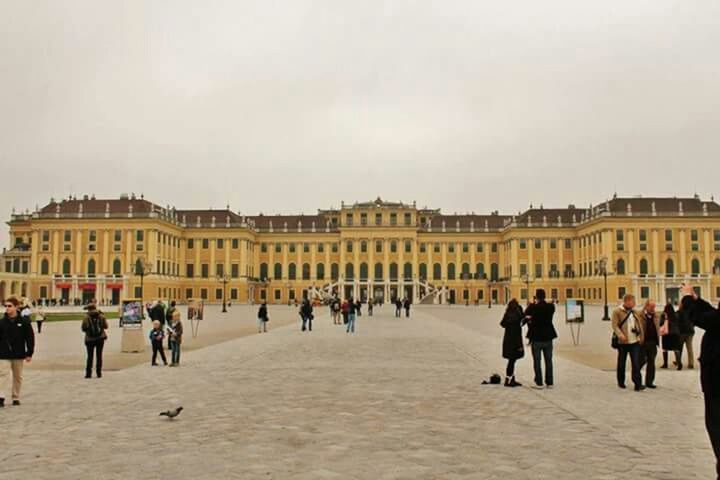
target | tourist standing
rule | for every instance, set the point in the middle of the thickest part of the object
(94, 325)
(262, 318)
(406, 305)
(156, 341)
(671, 340)
(306, 312)
(358, 308)
(335, 311)
(40, 317)
(541, 333)
(345, 311)
(351, 316)
(513, 348)
(371, 305)
(703, 315)
(629, 331)
(687, 333)
(176, 334)
(651, 340)
(398, 307)
(17, 345)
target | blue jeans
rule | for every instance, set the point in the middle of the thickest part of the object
(351, 323)
(545, 349)
(175, 351)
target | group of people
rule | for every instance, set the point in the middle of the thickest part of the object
(538, 316)
(166, 323)
(401, 304)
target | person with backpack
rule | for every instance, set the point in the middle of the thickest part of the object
(17, 345)
(94, 325)
(156, 340)
(306, 313)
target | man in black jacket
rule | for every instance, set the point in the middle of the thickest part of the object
(541, 333)
(703, 315)
(17, 344)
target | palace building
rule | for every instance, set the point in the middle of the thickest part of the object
(77, 249)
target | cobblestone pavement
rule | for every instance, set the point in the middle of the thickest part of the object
(400, 399)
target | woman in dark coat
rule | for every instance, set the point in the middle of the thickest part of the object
(671, 341)
(513, 348)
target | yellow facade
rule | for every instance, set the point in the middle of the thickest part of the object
(90, 248)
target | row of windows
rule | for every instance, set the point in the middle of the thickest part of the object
(292, 274)
(219, 243)
(537, 243)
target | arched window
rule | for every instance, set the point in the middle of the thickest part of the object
(363, 271)
(423, 271)
(437, 271)
(334, 272)
(306, 271)
(277, 273)
(480, 270)
(451, 271)
(264, 271)
(349, 271)
(292, 272)
(44, 267)
(669, 268)
(695, 267)
(117, 267)
(465, 271)
(378, 271)
(66, 266)
(393, 271)
(320, 271)
(407, 270)
(494, 271)
(91, 267)
(620, 267)
(643, 267)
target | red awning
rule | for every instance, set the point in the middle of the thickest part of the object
(63, 285)
(114, 286)
(87, 286)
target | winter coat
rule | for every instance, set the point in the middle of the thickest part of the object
(704, 316)
(512, 322)
(262, 313)
(684, 322)
(540, 326)
(85, 326)
(17, 338)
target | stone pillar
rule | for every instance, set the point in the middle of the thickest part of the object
(655, 252)
(313, 263)
(78, 252)
(631, 252)
(443, 262)
(55, 264)
(546, 258)
(34, 249)
(213, 247)
(514, 262)
(129, 264)
(105, 269)
(386, 268)
(707, 248)
(683, 252)
(284, 261)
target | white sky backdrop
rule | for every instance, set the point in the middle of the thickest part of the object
(286, 107)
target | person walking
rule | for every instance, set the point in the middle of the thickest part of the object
(17, 345)
(629, 330)
(345, 309)
(351, 316)
(335, 311)
(398, 307)
(262, 318)
(358, 308)
(651, 340)
(94, 325)
(513, 349)
(306, 313)
(687, 333)
(40, 317)
(541, 333)
(157, 334)
(176, 334)
(704, 316)
(371, 305)
(671, 339)
(406, 305)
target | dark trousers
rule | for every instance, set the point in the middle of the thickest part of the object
(407, 312)
(157, 347)
(634, 351)
(307, 323)
(712, 424)
(397, 312)
(510, 370)
(94, 348)
(545, 350)
(648, 353)
(39, 324)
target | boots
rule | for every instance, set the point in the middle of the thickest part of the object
(665, 360)
(510, 382)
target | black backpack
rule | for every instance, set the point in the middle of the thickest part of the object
(95, 329)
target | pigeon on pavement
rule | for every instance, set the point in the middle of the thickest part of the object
(172, 413)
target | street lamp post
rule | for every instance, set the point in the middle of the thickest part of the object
(142, 268)
(526, 278)
(603, 270)
(224, 279)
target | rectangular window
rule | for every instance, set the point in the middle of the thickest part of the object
(481, 295)
(523, 269)
(321, 248)
(205, 243)
(523, 294)
(348, 219)
(436, 247)
(451, 248)
(67, 236)
(538, 244)
(619, 236)
(188, 293)
(568, 243)
(205, 270)
(190, 244)
(716, 237)
(204, 293)
(276, 294)
(479, 247)
(138, 292)
(235, 270)
(393, 219)
(263, 247)
(553, 244)
(190, 270)
(306, 248)
(378, 246)
(554, 293)
(620, 247)
(291, 294)
(408, 219)
(291, 247)
(523, 244)
(92, 236)
(645, 292)
(408, 246)
(568, 293)
(278, 248)
(538, 270)
(45, 236)
(334, 247)
(378, 219)
(393, 247)
(363, 247)
(643, 235)
(139, 247)
(219, 269)
(465, 247)
(363, 219)
(235, 243)
(668, 235)
(621, 292)
(139, 236)
(233, 294)
(423, 247)
(220, 243)
(218, 294)
(494, 247)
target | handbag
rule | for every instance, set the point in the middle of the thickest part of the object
(615, 341)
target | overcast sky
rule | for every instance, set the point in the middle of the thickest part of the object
(286, 107)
